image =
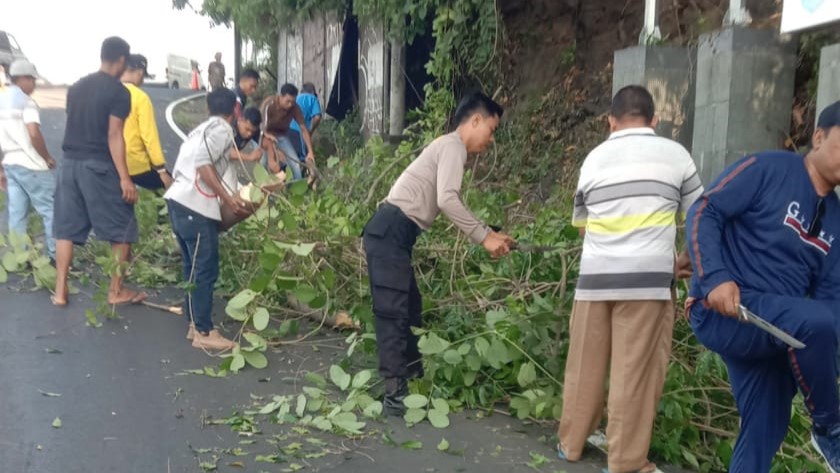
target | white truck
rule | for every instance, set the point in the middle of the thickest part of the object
(9, 52)
(179, 72)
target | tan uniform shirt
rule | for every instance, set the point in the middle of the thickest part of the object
(432, 184)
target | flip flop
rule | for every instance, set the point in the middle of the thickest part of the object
(56, 303)
(644, 469)
(137, 298)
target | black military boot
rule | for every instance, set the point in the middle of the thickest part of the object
(396, 390)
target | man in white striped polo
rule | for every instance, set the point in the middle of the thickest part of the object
(632, 189)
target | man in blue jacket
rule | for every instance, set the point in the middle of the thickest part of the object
(761, 236)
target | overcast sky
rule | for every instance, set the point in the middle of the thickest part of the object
(63, 37)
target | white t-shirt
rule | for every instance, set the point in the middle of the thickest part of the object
(209, 143)
(16, 111)
(632, 190)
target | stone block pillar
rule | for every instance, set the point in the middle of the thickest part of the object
(828, 90)
(744, 95)
(668, 73)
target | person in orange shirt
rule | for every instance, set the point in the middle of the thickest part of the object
(144, 155)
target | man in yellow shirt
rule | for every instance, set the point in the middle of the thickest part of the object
(142, 142)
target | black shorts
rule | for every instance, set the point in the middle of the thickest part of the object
(88, 195)
(148, 180)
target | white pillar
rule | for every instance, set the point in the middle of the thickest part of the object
(650, 30)
(737, 15)
(397, 96)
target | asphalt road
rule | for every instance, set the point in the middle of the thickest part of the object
(126, 404)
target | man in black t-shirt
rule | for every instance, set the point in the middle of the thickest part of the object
(94, 187)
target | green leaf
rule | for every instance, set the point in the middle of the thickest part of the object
(305, 293)
(412, 445)
(473, 362)
(332, 162)
(240, 315)
(261, 318)
(4, 276)
(527, 374)
(303, 249)
(300, 409)
(299, 188)
(328, 276)
(443, 446)
(497, 354)
(255, 340)
(414, 416)
(10, 262)
(431, 344)
(452, 357)
(440, 405)
(416, 401)
(361, 379)
(481, 346)
(269, 261)
(318, 302)
(690, 458)
(314, 393)
(255, 359)
(495, 316)
(322, 423)
(290, 221)
(237, 363)
(91, 320)
(537, 460)
(521, 406)
(339, 377)
(316, 379)
(56, 423)
(45, 275)
(241, 300)
(261, 176)
(347, 421)
(268, 459)
(439, 419)
(373, 409)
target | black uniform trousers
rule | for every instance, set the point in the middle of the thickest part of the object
(389, 238)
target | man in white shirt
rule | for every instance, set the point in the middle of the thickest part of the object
(633, 190)
(195, 199)
(25, 174)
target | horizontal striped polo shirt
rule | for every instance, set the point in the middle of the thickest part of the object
(632, 187)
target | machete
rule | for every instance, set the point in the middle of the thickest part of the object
(748, 316)
(526, 247)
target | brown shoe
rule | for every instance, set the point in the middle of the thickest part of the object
(191, 332)
(213, 341)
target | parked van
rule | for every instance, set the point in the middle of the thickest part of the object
(9, 51)
(179, 72)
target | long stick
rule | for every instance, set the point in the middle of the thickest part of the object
(166, 308)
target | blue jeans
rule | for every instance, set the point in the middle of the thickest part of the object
(285, 145)
(198, 237)
(31, 187)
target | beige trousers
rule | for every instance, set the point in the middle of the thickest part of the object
(633, 338)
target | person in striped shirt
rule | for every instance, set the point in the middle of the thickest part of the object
(633, 189)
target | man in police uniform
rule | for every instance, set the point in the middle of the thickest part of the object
(430, 185)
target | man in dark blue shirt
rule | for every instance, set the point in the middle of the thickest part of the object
(762, 236)
(249, 80)
(94, 189)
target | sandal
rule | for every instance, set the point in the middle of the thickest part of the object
(648, 468)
